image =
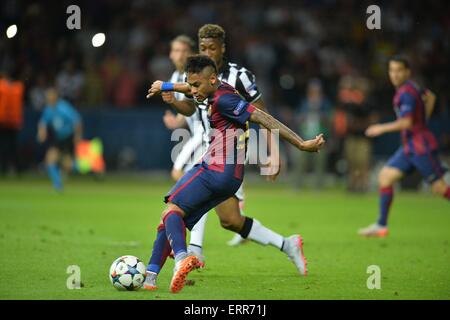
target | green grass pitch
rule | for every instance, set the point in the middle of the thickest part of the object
(93, 223)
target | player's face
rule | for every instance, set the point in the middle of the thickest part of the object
(51, 97)
(202, 84)
(179, 53)
(398, 73)
(212, 48)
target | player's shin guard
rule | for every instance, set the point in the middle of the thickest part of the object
(197, 235)
(160, 252)
(176, 233)
(255, 231)
(386, 196)
(55, 176)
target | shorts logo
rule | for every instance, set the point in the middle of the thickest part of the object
(239, 107)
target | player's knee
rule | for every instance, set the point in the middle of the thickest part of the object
(170, 209)
(439, 187)
(51, 157)
(385, 178)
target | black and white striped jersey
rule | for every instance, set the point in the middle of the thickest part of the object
(240, 78)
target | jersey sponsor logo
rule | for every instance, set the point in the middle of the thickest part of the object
(239, 107)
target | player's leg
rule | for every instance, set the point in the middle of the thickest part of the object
(51, 161)
(432, 170)
(160, 252)
(231, 219)
(393, 171)
(184, 203)
(237, 238)
(196, 239)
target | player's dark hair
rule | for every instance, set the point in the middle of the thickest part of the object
(401, 59)
(186, 40)
(197, 63)
(213, 31)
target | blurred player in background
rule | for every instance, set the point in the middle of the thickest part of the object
(182, 47)
(218, 176)
(60, 125)
(419, 149)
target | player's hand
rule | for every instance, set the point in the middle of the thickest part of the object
(155, 88)
(429, 97)
(374, 130)
(170, 120)
(313, 145)
(168, 97)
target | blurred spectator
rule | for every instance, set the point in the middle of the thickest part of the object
(11, 121)
(70, 82)
(313, 117)
(37, 93)
(353, 97)
(94, 92)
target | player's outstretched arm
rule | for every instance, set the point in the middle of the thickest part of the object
(269, 122)
(166, 90)
(400, 124)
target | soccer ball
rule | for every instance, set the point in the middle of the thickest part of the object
(127, 273)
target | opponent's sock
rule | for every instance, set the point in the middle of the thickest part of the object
(255, 231)
(386, 195)
(55, 176)
(176, 232)
(447, 193)
(160, 252)
(197, 235)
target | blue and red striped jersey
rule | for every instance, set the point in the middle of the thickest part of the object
(408, 102)
(228, 115)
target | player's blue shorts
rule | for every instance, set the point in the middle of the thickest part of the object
(427, 164)
(200, 190)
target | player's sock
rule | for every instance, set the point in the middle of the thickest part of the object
(176, 232)
(447, 193)
(55, 176)
(197, 235)
(161, 249)
(255, 231)
(386, 195)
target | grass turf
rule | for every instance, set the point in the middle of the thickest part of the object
(92, 223)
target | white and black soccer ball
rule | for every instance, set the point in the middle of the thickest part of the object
(127, 273)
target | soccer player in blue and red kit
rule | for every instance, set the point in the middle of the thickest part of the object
(219, 173)
(419, 149)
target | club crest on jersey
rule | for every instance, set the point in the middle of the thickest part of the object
(239, 107)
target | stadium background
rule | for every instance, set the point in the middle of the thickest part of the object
(286, 44)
